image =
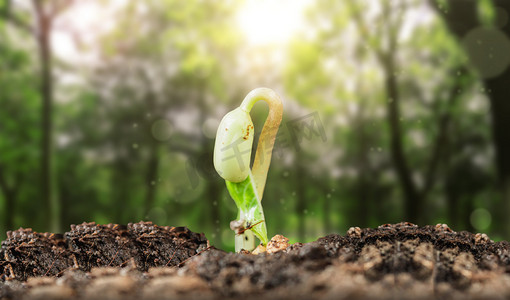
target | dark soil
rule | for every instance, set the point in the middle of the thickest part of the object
(141, 246)
(145, 261)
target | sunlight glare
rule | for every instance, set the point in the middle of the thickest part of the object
(81, 24)
(270, 21)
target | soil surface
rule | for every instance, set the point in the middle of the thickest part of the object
(146, 261)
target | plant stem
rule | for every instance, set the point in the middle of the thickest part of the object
(268, 135)
(250, 220)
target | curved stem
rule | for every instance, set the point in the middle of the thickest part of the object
(268, 135)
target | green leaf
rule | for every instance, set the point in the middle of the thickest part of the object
(250, 209)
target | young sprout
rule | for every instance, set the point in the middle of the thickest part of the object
(232, 153)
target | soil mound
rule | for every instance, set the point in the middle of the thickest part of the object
(146, 261)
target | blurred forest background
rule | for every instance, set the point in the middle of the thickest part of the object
(393, 111)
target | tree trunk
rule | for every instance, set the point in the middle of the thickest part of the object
(151, 177)
(300, 197)
(10, 198)
(467, 210)
(10, 193)
(412, 199)
(461, 17)
(326, 210)
(46, 86)
(363, 182)
(454, 211)
(212, 194)
(121, 190)
(500, 113)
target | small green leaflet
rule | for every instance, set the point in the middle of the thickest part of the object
(250, 209)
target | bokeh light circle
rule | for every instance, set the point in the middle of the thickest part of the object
(501, 17)
(488, 50)
(161, 130)
(209, 127)
(481, 219)
(157, 215)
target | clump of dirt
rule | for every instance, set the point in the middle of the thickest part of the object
(27, 253)
(399, 261)
(142, 245)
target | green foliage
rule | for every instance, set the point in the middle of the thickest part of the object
(182, 63)
(486, 12)
(19, 132)
(347, 72)
(250, 207)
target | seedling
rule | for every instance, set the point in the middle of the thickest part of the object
(232, 153)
